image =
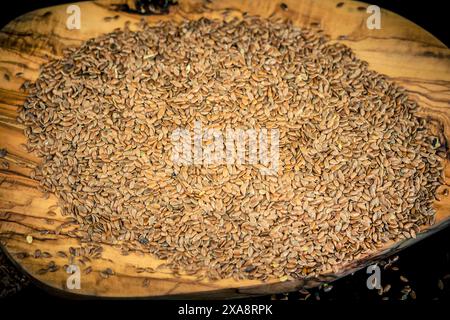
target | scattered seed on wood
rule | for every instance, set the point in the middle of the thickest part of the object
(87, 270)
(46, 254)
(53, 268)
(42, 271)
(29, 239)
(109, 271)
(22, 255)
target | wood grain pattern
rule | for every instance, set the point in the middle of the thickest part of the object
(406, 53)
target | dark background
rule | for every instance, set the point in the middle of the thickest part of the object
(426, 265)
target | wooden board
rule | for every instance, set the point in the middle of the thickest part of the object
(408, 54)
